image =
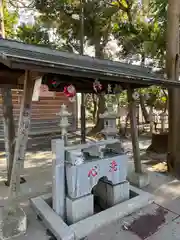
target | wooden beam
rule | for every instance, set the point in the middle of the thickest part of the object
(12, 86)
(134, 131)
(34, 76)
(83, 118)
(12, 74)
(22, 136)
(8, 81)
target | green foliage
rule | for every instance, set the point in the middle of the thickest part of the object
(98, 17)
(10, 21)
(138, 29)
(159, 16)
(159, 10)
(33, 34)
(145, 33)
(157, 97)
(57, 15)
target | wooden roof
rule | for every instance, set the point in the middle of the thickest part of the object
(15, 57)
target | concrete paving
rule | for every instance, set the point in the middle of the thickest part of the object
(39, 180)
(151, 223)
(168, 232)
(35, 229)
(37, 173)
(140, 225)
(168, 194)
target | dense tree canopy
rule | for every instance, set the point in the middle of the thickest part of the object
(139, 27)
(145, 33)
(33, 34)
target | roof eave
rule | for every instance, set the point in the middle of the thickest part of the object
(73, 71)
(5, 60)
(39, 62)
(46, 67)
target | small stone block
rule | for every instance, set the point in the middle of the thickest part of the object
(139, 179)
(79, 209)
(117, 193)
(13, 223)
(110, 195)
(100, 191)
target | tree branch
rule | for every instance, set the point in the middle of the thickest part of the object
(121, 6)
(106, 36)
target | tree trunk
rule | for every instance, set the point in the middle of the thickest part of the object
(94, 108)
(144, 110)
(99, 51)
(101, 108)
(101, 103)
(126, 123)
(172, 69)
(166, 103)
(151, 119)
(134, 131)
(159, 143)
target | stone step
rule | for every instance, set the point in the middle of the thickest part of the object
(39, 124)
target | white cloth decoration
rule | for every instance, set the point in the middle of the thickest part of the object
(109, 88)
(71, 89)
(97, 86)
(135, 95)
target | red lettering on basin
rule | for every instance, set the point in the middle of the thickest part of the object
(92, 172)
(113, 166)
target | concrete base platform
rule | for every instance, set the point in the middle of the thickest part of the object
(139, 180)
(13, 223)
(80, 208)
(83, 228)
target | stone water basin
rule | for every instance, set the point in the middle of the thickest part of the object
(114, 168)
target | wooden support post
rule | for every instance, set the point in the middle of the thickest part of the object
(22, 136)
(134, 131)
(83, 119)
(151, 120)
(9, 129)
(162, 119)
(172, 70)
(8, 119)
(83, 108)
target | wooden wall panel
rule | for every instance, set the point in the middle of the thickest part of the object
(43, 116)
